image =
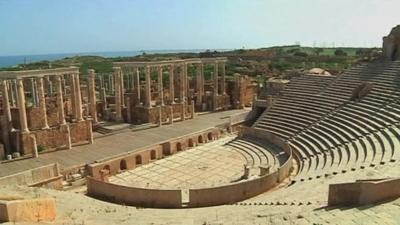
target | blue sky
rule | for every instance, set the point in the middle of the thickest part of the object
(57, 26)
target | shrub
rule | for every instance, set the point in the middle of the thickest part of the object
(300, 54)
(40, 148)
(340, 52)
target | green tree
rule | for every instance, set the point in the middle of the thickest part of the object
(340, 52)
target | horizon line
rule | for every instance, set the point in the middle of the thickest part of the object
(184, 50)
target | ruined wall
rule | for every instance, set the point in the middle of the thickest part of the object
(80, 131)
(35, 118)
(249, 89)
(52, 116)
(53, 138)
(27, 144)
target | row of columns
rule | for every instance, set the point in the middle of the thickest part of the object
(38, 97)
(183, 87)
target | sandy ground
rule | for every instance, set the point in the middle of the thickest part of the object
(77, 208)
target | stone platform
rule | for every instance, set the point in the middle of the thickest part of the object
(211, 164)
(110, 145)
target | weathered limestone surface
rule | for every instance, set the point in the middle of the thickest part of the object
(28, 210)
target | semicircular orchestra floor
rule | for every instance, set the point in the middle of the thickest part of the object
(211, 164)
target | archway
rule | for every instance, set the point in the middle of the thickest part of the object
(179, 146)
(138, 160)
(209, 136)
(191, 143)
(153, 154)
(122, 165)
(200, 139)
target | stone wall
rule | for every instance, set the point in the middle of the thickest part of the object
(52, 116)
(127, 161)
(35, 118)
(15, 117)
(53, 138)
(363, 192)
(231, 193)
(80, 131)
(47, 176)
(155, 198)
(142, 114)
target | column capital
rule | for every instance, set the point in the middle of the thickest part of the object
(91, 72)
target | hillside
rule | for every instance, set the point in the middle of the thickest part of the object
(271, 61)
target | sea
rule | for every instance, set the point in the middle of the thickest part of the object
(11, 61)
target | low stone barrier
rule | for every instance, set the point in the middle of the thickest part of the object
(45, 176)
(154, 198)
(200, 197)
(363, 192)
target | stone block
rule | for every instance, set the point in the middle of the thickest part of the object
(28, 210)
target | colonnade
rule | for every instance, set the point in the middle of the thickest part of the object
(13, 94)
(171, 67)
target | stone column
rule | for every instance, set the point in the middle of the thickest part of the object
(104, 98)
(215, 92)
(60, 101)
(112, 84)
(11, 90)
(128, 109)
(223, 91)
(182, 83)
(117, 77)
(133, 77)
(122, 88)
(171, 84)
(171, 114)
(183, 109)
(199, 83)
(186, 82)
(72, 95)
(160, 85)
(42, 102)
(36, 94)
(21, 106)
(6, 104)
(78, 98)
(159, 115)
(33, 92)
(50, 87)
(148, 88)
(63, 85)
(192, 109)
(7, 125)
(92, 94)
(216, 78)
(101, 82)
(137, 78)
